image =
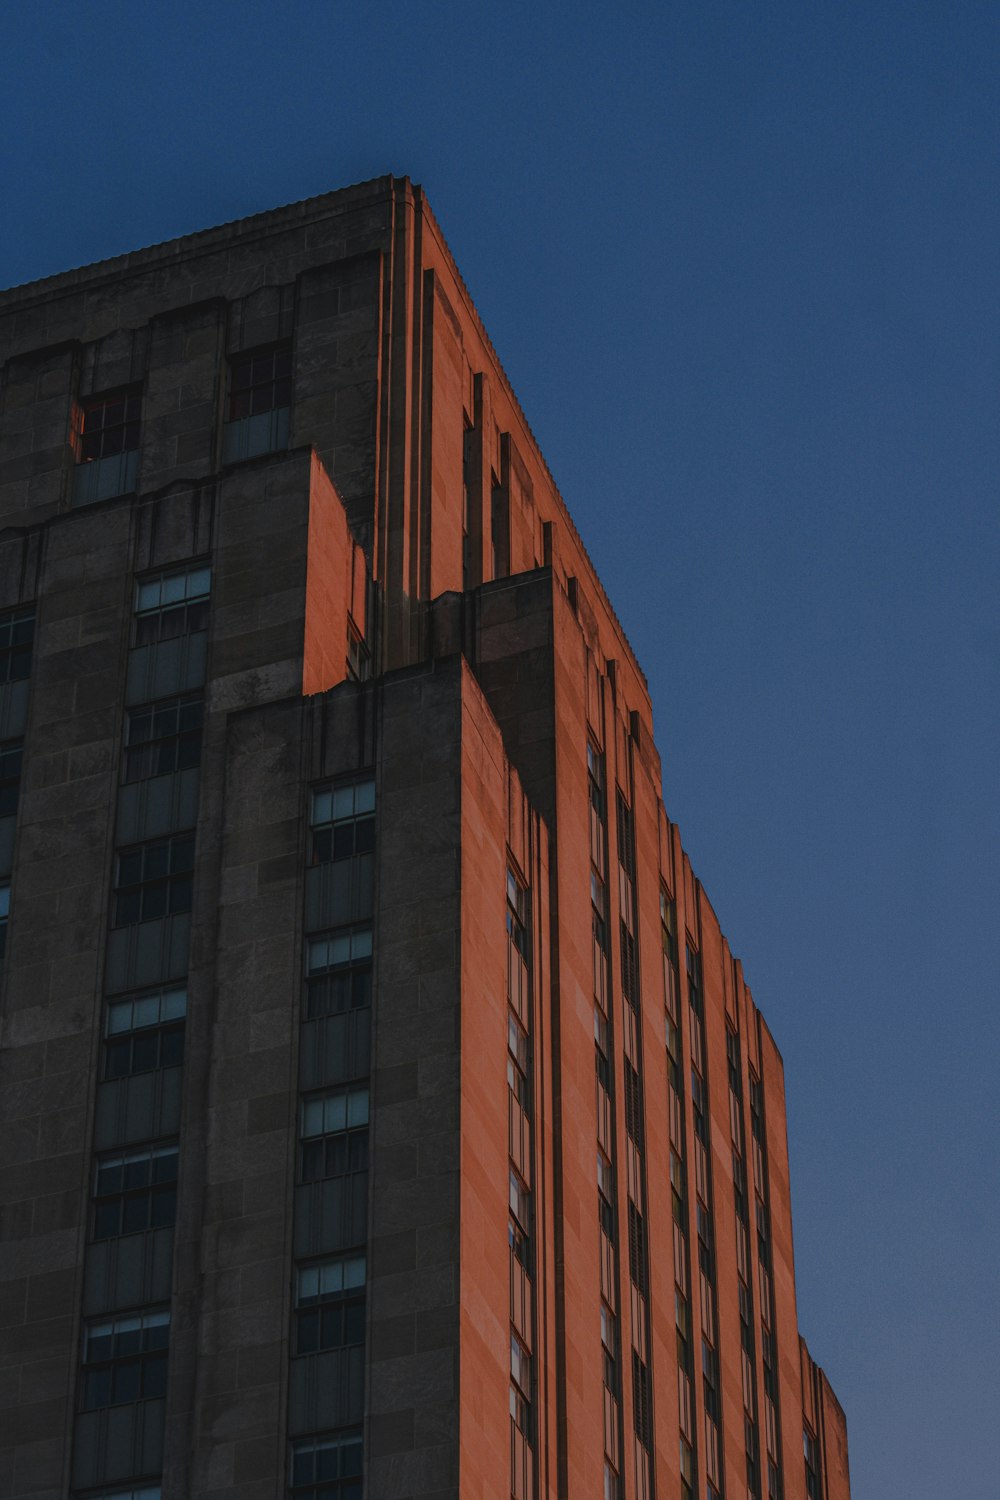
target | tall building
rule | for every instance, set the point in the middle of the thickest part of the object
(384, 1112)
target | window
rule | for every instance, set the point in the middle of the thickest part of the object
(517, 1062)
(109, 425)
(343, 822)
(519, 1223)
(338, 972)
(633, 1103)
(682, 1315)
(330, 1305)
(520, 1386)
(612, 1484)
(626, 836)
(135, 1191)
(517, 903)
(172, 604)
(630, 966)
(710, 1378)
(602, 1042)
(153, 880)
(605, 1194)
(609, 1348)
(17, 635)
(10, 777)
(107, 447)
(327, 1468)
(144, 1032)
(693, 979)
(163, 737)
(4, 914)
(334, 1133)
(595, 779)
(811, 1450)
(260, 394)
(641, 1401)
(637, 1247)
(125, 1359)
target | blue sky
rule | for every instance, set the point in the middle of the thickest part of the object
(740, 262)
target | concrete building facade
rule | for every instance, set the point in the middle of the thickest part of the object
(384, 1112)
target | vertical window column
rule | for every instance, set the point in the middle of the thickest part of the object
(607, 1177)
(632, 1064)
(762, 1216)
(330, 1229)
(678, 1195)
(129, 1255)
(747, 1355)
(711, 1391)
(520, 1142)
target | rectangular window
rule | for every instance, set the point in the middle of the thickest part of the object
(327, 1468)
(609, 1348)
(338, 972)
(693, 979)
(11, 755)
(17, 636)
(519, 1221)
(260, 395)
(334, 1133)
(163, 737)
(172, 604)
(520, 1386)
(810, 1448)
(517, 909)
(606, 1194)
(107, 446)
(637, 1247)
(518, 1056)
(109, 425)
(135, 1191)
(125, 1360)
(343, 822)
(626, 836)
(330, 1304)
(4, 914)
(144, 1032)
(633, 1103)
(153, 880)
(640, 1401)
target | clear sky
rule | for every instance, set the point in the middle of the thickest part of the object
(740, 262)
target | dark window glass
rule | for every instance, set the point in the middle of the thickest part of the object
(637, 1247)
(109, 425)
(10, 777)
(334, 1134)
(327, 1468)
(125, 1360)
(518, 1054)
(259, 381)
(135, 1191)
(338, 972)
(144, 1051)
(172, 604)
(153, 880)
(343, 821)
(17, 635)
(330, 1305)
(641, 1401)
(162, 737)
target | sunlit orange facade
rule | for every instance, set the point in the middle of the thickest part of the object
(384, 1111)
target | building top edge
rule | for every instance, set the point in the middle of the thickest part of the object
(176, 248)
